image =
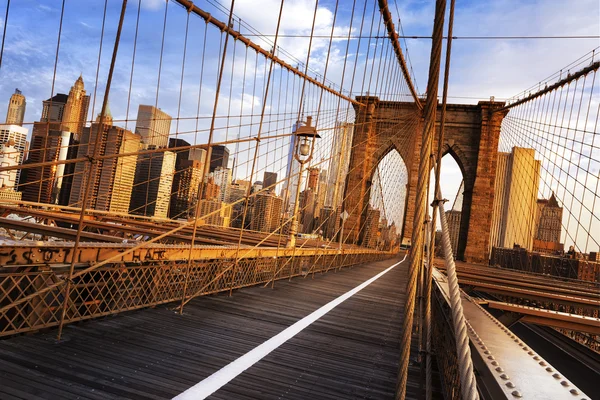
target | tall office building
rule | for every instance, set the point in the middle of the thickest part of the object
(371, 228)
(16, 109)
(237, 193)
(270, 181)
(112, 183)
(194, 154)
(339, 164)
(290, 185)
(9, 157)
(211, 190)
(313, 178)
(515, 199)
(222, 178)
(151, 193)
(321, 193)
(330, 221)
(154, 126)
(53, 109)
(198, 155)
(266, 215)
(108, 118)
(186, 180)
(256, 187)
(18, 134)
(238, 190)
(49, 143)
(388, 236)
(76, 109)
(548, 226)
(219, 157)
(453, 218)
(184, 192)
(215, 212)
(307, 210)
(66, 172)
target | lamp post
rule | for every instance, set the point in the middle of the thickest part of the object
(344, 216)
(304, 146)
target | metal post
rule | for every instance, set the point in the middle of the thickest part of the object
(294, 223)
(342, 234)
(344, 216)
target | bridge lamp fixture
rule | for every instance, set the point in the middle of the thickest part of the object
(305, 137)
(305, 134)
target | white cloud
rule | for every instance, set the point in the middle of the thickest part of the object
(153, 4)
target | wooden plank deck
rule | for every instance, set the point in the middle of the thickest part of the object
(350, 353)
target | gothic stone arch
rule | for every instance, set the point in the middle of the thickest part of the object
(471, 136)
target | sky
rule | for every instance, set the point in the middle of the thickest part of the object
(479, 69)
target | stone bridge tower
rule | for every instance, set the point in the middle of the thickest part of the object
(471, 137)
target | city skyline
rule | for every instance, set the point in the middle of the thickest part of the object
(223, 174)
(235, 97)
(80, 44)
(144, 184)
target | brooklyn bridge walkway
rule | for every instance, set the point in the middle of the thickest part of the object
(350, 352)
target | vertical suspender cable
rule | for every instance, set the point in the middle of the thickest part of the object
(431, 247)
(4, 34)
(93, 162)
(423, 181)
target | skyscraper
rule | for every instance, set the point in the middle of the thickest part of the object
(307, 210)
(313, 178)
(9, 157)
(76, 109)
(186, 180)
(151, 193)
(321, 195)
(113, 181)
(16, 109)
(108, 118)
(453, 218)
(515, 199)
(237, 193)
(195, 154)
(339, 164)
(215, 212)
(222, 178)
(238, 190)
(330, 221)
(184, 192)
(219, 157)
(290, 185)
(371, 228)
(154, 125)
(48, 144)
(53, 109)
(269, 180)
(18, 134)
(548, 226)
(266, 214)
(211, 190)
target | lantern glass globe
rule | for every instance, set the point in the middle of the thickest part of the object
(304, 148)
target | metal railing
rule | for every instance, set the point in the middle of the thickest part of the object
(444, 345)
(26, 304)
(505, 366)
(580, 271)
(522, 260)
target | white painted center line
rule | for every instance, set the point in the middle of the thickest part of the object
(223, 376)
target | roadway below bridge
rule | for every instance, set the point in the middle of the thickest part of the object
(351, 351)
